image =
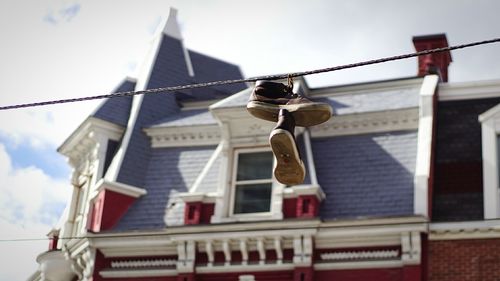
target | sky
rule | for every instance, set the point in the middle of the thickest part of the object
(52, 49)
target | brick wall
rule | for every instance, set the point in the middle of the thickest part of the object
(464, 260)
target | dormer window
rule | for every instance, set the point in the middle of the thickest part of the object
(253, 181)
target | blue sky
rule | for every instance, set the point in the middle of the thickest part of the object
(55, 49)
(24, 155)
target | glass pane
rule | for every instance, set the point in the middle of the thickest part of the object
(252, 198)
(255, 166)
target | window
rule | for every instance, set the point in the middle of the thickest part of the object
(490, 137)
(111, 149)
(498, 159)
(253, 182)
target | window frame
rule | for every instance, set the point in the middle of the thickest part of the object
(233, 184)
(490, 136)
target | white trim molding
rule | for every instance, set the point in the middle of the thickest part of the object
(490, 131)
(86, 146)
(469, 90)
(304, 189)
(143, 263)
(184, 136)
(137, 273)
(90, 128)
(360, 255)
(121, 188)
(358, 265)
(489, 229)
(424, 145)
(372, 122)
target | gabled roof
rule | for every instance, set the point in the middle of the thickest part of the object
(170, 66)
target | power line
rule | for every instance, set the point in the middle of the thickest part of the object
(253, 79)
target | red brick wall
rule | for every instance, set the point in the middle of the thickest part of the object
(385, 274)
(464, 260)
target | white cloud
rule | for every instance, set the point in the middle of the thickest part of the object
(30, 204)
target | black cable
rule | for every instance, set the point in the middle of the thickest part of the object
(253, 79)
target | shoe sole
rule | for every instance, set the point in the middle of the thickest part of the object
(305, 115)
(289, 169)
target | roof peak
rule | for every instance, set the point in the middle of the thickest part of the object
(171, 26)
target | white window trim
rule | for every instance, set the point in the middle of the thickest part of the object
(490, 129)
(225, 196)
(232, 186)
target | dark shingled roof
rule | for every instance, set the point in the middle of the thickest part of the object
(169, 69)
(187, 118)
(164, 172)
(116, 110)
(374, 100)
(366, 175)
(369, 101)
(208, 69)
(170, 171)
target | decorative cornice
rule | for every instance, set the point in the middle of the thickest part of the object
(360, 255)
(358, 265)
(245, 268)
(184, 136)
(137, 273)
(85, 134)
(373, 122)
(465, 230)
(143, 263)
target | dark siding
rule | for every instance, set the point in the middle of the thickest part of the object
(458, 184)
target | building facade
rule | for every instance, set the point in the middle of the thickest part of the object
(402, 182)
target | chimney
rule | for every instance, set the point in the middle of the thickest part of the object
(436, 63)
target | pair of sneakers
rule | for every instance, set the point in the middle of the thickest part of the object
(276, 102)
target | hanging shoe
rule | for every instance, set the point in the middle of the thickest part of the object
(289, 168)
(268, 98)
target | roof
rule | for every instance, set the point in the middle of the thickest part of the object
(170, 171)
(361, 175)
(117, 109)
(366, 100)
(187, 118)
(366, 175)
(374, 100)
(169, 69)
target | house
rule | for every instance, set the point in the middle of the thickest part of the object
(402, 183)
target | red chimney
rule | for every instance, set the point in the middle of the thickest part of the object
(436, 63)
